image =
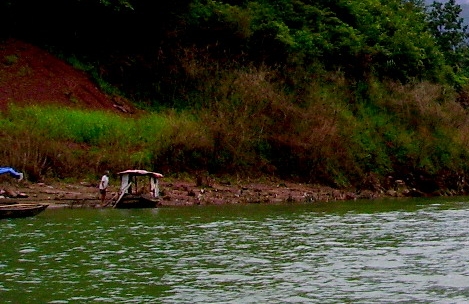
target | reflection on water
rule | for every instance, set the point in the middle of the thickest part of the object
(381, 251)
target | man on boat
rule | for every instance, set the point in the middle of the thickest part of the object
(12, 172)
(103, 185)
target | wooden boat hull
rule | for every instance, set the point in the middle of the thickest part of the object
(21, 210)
(129, 201)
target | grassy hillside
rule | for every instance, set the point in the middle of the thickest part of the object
(415, 132)
(338, 94)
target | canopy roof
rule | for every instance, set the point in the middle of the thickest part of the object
(141, 173)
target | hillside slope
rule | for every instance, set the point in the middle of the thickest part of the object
(31, 75)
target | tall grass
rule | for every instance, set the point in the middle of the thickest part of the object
(57, 142)
(410, 132)
(247, 121)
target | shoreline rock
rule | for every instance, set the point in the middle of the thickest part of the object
(176, 193)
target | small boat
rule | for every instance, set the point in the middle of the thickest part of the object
(139, 189)
(18, 210)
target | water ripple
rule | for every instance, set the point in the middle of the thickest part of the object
(266, 254)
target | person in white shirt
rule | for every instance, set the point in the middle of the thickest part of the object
(103, 185)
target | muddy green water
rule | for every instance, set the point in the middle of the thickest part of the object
(383, 251)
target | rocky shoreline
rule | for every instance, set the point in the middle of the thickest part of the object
(191, 192)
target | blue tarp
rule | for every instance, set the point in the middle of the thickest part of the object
(11, 171)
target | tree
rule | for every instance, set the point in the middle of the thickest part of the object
(451, 34)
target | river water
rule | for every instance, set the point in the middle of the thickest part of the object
(381, 251)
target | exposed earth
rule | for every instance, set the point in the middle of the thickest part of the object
(31, 75)
(172, 192)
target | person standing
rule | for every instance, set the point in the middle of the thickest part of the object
(103, 184)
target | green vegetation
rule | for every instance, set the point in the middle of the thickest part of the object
(65, 142)
(400, 132)
(327, 92)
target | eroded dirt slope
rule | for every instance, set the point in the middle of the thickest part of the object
(31, 75)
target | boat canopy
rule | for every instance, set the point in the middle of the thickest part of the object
(129, 182)
(141, 173)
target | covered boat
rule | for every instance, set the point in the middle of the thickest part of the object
(139, 189)
(17, 210)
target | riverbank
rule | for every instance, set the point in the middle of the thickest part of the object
(189, 192)
(51, 81)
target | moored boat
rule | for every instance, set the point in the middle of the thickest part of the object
(18, 210)
(139, 189)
